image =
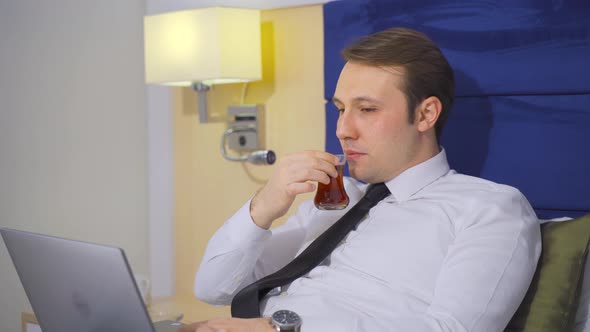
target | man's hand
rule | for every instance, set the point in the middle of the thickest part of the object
(230, 325)
(289, 179)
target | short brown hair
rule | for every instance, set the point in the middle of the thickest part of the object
(427, 71)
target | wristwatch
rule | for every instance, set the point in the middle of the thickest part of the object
(286, 321)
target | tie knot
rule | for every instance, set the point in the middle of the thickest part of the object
(376, 192)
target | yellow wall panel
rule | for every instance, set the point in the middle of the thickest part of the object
(210, 189)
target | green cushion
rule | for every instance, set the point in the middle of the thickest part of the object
(552, 299)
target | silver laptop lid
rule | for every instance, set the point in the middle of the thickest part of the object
(76, 286)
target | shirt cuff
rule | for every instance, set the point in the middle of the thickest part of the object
(243, 231)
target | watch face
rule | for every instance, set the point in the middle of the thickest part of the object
(286, 318)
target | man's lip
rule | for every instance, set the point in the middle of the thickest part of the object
(353, 154)
(347, 152)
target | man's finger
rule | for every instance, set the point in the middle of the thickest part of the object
(190, 327)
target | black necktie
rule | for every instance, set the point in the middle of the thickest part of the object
(246, 303)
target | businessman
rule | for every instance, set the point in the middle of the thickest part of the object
(428, 250)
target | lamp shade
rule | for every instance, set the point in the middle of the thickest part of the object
(211, 45)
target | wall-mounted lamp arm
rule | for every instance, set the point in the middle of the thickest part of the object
(226, 133)
(258, 157)
(202, 89)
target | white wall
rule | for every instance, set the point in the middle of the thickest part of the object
(73, 129)
(161, 191)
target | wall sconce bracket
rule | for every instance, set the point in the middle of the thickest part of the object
(201, 90)
(246, 116)
(245, 133)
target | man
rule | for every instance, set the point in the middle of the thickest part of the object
(442, 252)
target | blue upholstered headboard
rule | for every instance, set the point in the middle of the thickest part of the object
(522, 71)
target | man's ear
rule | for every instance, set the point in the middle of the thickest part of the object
(427, 113)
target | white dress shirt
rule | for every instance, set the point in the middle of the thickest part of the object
(444, 252)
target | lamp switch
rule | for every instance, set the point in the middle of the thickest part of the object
(245, 117)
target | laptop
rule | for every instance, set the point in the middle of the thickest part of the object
(76, 286)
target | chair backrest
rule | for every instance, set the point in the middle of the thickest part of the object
(522, 71)
(521, 117)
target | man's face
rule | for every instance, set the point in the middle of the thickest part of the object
(373, 126)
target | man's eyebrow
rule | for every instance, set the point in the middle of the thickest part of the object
(358, 99)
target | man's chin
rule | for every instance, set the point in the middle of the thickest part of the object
(357, 174)
(365, 176)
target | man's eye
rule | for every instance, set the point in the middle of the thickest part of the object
(340, 110)
(368, 109)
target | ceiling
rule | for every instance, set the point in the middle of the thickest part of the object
(162, 6)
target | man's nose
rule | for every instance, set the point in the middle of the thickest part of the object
(345, 127)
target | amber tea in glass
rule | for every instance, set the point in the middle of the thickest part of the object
(332, 196)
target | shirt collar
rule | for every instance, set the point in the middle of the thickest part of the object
(412, 180)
